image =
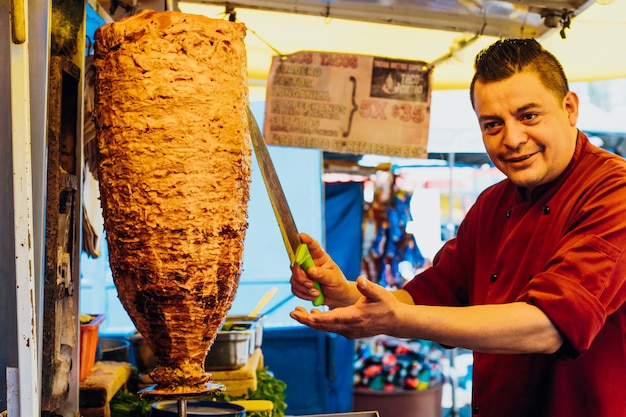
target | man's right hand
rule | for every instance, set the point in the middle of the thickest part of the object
(338, 291)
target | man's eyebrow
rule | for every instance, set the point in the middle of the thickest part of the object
(487, 117)
(526, 107)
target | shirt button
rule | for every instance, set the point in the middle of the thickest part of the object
(546, 210)
(508, 213)
(493, 277)
(475, 409)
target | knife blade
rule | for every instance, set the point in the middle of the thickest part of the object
(297, 251)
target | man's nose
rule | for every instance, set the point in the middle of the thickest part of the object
(514, 135)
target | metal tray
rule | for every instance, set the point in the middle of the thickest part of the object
(247, 323)
(230, 350)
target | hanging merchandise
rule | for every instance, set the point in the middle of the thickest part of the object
(394, 255)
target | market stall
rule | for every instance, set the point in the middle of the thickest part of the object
(43, 134)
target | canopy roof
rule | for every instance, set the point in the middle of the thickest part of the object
(441, 32)
(590, 50)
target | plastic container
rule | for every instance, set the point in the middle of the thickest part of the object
(256, 406)
(198, 409)
(401, 403)
(88, 344)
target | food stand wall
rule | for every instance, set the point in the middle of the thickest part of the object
(24, 133)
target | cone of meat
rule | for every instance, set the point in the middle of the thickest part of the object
(171, 101)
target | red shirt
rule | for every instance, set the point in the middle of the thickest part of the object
(562, 251)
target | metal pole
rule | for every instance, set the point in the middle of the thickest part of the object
(182, 408)
(450, 225)
(28, 374)
(454, 382)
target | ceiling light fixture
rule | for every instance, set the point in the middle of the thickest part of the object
(554, 18)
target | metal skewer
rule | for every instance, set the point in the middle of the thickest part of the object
(182, 408)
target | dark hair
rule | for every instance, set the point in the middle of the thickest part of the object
(508, 57)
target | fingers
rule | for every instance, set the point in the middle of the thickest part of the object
(369, 289)
(315, 249)
(302, 284)
(305, 238)
(335, 321)
(324, 273)
(302, 316)
(359, 318)
(298, 312)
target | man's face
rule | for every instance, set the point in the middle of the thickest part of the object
(529, 133)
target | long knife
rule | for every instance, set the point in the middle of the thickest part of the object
(298, 252)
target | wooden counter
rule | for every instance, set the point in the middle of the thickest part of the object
(99, 387)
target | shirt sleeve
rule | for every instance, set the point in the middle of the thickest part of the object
(585, 281)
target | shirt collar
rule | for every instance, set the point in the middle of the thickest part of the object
(581, 143)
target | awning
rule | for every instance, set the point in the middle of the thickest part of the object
(590, 51)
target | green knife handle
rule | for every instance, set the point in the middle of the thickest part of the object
(304, 259)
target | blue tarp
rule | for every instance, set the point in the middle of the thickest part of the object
(343, 213)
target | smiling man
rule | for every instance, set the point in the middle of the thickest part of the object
(535, 280)
(526, 114)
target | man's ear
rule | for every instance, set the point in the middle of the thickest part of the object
(570, 104)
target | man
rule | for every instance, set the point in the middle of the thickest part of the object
(535, 280)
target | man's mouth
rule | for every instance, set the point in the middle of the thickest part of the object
(517, 159)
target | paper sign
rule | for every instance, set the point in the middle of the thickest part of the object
(349, 103)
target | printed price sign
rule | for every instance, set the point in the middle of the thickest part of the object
(349, 103)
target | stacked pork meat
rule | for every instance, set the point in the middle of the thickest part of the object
(171, 101)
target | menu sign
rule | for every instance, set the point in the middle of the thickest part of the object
(348, 103)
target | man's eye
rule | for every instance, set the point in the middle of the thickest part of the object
(490, 125)
(529, 116)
